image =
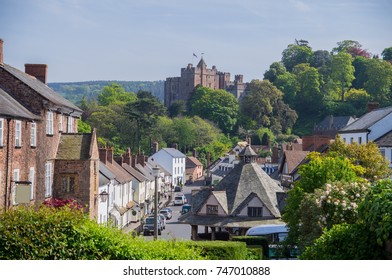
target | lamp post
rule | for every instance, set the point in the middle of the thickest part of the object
(155, 173)
(104, 196)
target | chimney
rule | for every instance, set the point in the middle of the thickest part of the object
(194, 153)
(103, 154)
(37, 70)
(208, 158)
(110, 155)
(155, 149)
(140, 160)
(133, 160)
(128, 157)
(372, 106)
(119, 160)
(175, 146)
(1, 51)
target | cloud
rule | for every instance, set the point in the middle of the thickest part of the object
(300, 5)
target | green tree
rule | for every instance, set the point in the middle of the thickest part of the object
(218, 106)
(296, 54)
(288, 84)
(378, 84)
(263, 103)
(276, 69)
(115, 94)
(345, 45)
(387, 54)
(342, 72)
(144, 112)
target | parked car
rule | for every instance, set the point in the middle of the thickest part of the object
(177, 189)
(167, 213)
(163, 220)
(179, 199)
(148, 226)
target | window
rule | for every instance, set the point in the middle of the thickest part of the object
(33, 136)
(255, 211)
(1, 131)
(15, 178)
(69, 183)
(344, 139)
(32, 180)
(359, 140)
(18, 133)
(48, 179)
(70, 125)
(212, 209)
(382, 151)
(49, 123)
(61, 122)
(351, 140)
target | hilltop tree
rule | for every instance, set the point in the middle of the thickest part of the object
(387, 54)
(379, 80)
(218, 106)
(263, 103)
(296, 54)
(342, 72)
(276, 69)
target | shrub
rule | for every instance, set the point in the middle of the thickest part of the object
(344, 242)
(49, 233)
(221, 250)
(255, 243)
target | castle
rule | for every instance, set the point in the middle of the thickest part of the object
(181, 88)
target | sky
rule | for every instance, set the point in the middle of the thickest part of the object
(149, 40)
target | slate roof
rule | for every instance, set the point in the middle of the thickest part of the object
(385, 140)
(44, 90)
(122, 176)
(174, 152)
(74, 147)
(332, 122)
(135, 173)
(10, 107)
(367, 120)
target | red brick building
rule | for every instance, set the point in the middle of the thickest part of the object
(33, 119)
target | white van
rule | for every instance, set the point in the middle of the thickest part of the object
(179, 199)
(274, 232)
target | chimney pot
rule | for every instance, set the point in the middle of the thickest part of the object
(110, 155)
(37, 70)
(103, 155)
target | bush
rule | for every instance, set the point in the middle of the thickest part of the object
(253, 243)
(49, 233)
(222, 250)
(344, 242)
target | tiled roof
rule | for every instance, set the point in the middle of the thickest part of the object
(41, 88)
(367, 120)
(9, 107)
(122, 176)
(294, 158)
(74, 147)
(192, 162)
(332, 122)
(385, 140)
(221, 198)
(135, 173)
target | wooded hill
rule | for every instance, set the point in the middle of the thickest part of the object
(75, 91)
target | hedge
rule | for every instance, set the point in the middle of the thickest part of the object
(222, 250)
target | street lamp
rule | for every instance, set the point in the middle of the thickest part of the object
(155, 173)
(104, 196)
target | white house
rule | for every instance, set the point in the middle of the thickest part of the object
(369, 127)
(171, 160)
(384, 144)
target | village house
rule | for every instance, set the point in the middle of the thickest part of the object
(29, 155)
(193, 168)
(244, 198)
(173, 161)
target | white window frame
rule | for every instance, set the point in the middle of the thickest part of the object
(18, 133)
(61, 123)
(32, 182)
(15, 178)
(70, 125)
(33, 134)
(49, 123)
(48, 179)
(1, 131)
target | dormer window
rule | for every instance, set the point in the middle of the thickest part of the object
(212, 209)
(255, 211)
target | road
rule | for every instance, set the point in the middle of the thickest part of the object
(174, 229)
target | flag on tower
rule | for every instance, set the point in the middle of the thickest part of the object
(194, 55)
